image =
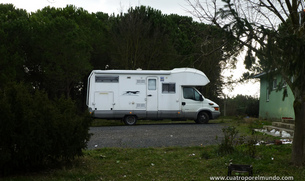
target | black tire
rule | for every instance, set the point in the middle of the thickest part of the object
(130, 120)
(202, 118)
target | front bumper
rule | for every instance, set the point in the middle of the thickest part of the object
(215, 114)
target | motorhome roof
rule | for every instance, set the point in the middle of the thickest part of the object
(150, 72)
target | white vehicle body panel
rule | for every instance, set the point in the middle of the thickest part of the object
(148, 94)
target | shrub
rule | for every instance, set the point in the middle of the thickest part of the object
(242, 106)
(227, 144)
(232, 143)
(36, 131)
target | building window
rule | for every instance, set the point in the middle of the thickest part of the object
(267, 95)
(107, 79)
(274, 83)
(284, 84)
(169, 88)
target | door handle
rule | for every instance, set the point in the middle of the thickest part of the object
(149, 95)
(183, 103)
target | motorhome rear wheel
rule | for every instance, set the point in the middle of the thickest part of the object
(130, 120)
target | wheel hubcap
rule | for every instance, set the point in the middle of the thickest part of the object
(130, 120)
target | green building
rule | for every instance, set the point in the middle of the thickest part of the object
(271, 103)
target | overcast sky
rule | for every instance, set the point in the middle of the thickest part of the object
(106, 6)
(180, 7)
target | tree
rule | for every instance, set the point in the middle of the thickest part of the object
(194, 44)
(100, 41)
(242, 105)
(139, 40)
(13, 40)
(272, 31)
(201, 46)
(60, 51)
(42, 57)
(145, 38)
(37, 132)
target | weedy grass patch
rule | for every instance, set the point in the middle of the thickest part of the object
(173, 163)
(177, 163)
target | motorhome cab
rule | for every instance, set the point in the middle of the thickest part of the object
(149, 94)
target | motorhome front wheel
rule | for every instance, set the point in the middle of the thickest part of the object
(203, 118)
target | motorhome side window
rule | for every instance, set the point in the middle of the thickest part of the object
(107, 79)
(169, 88)
(191, 93)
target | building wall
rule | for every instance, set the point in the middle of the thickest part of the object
(275, 107)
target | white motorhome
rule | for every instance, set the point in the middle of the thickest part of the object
(149, 94)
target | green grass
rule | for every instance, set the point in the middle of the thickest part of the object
(173, 163)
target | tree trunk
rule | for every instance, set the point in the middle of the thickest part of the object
(298, 147)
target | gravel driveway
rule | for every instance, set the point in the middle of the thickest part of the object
(155, 135)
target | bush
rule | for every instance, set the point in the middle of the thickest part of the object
(242, 105)
(36, 131)
(227, 144)
(233, 143)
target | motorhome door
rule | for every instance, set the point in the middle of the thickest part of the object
(151, 97)
(191, 102)
(103, 100)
